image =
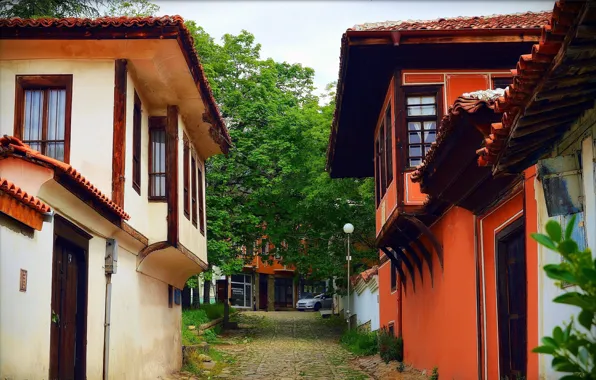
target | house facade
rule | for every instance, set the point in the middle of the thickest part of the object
(106, 127)
(451, 231)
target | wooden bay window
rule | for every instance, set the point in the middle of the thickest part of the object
(43, 106)
(136, 144)
(157, 158)
(422, 118)
(384, 155)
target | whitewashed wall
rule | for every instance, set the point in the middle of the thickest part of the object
(364, 302)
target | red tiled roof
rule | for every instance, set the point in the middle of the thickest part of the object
(529, 72)
(526, 20)
(17, 193)
(365, 276)
(83, 26)
(462, 106)
(11, 146)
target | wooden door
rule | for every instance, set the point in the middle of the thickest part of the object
(512, 301)
(263, 291)
(69, 305)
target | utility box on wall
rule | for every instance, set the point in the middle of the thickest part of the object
(562, 184)
(111, 264)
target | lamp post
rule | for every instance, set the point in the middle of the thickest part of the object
(348, 229)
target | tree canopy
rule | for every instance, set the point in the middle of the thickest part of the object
(273, 181)
(76, 8)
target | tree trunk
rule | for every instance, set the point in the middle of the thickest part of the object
(196, 299)
(226, 315)
(207, 289)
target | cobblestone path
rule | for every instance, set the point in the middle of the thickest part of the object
(288, 345)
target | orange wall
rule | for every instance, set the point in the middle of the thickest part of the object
(265, 268)
(489, 226)
(388, 311)
(439, 322)
(457, 84)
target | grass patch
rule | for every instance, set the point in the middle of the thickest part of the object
(359, 342)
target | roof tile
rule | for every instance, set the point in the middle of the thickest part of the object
(11, 146)
(17, 193)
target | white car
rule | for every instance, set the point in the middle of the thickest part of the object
(321, 301)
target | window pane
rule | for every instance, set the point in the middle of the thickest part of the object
(413, 100)
(421, 110)
(415, 161)
(33, 115)
(162, 185)
(430, 125)
(430, 137)
(428, 100)
(158, 146)
(415, 150)
(55, 150)
(414, 138)
(414, 126)
(56, 113)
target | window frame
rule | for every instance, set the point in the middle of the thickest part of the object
(201, 200)
(156, 123)
(186, 175)
(45, 82)
(427, 90)
(137, 119)
(193, 196)
(509, 79)
(384, 153)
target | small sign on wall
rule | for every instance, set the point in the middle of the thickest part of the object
(23, 281)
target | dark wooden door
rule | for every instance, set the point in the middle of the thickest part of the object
(69, 300)
(263, 299)
(511, 301)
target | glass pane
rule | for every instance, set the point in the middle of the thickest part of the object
(430, 125)
(247, 295)
(238, 278)
(55, 150)
(35, 146)
(56, 113)
(413, 100)
(158, 146)
(414, 126)
(426, 149)
(415, 150)
(414, 137)
(415, 162)
(430, 137)
(33, 115)
(428, 100)
(162, 185)
(421, 110)
(237, 298)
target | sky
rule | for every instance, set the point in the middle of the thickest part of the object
(309, 32)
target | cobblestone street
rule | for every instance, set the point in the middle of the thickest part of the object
(288, 345)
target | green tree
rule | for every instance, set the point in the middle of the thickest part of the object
(132, 8)
(573, 347)
(273, 181)
(76, 8)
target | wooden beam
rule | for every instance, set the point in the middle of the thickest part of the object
(369, 41)
(396, 263)
(172, 174)
(429, 234)
(551, 115)
(572, 80)
(427, 257)
(21, 212)
(586, 31)
(406, 247)
(562, 92)
(540, 126)
(119, 132)
(406, 40)
(545, 106)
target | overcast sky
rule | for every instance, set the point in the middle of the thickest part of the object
(309, 32)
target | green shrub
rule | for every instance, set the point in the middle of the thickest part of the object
(390, 346)
(359, 342)
(435, 374)
(194, 317)
(573, 349)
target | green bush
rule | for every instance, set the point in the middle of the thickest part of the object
(390, 346)
(194, 317)
(359, 342)
(573, 349)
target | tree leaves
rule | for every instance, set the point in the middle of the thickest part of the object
(554, 231)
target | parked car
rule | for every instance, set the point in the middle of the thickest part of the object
(321, 301)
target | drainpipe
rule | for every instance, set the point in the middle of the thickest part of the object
(478, 303)
(111, 261)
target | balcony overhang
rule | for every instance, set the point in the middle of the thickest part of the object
(169, 264)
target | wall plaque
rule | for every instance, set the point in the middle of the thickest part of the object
(23, 281)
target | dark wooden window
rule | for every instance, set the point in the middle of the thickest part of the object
(391, 328)
(157, 158)
(186, 173)
(42, 113)
(422, 111)
(393, 277)
(193, 195)
(136, 145)
(201, 201)
(501, 82)
(384, 155)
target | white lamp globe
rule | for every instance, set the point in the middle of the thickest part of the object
(348, 228)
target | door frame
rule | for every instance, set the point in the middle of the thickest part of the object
(501, 238)
(74, 235)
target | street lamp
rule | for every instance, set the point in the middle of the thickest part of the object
(348, 229)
